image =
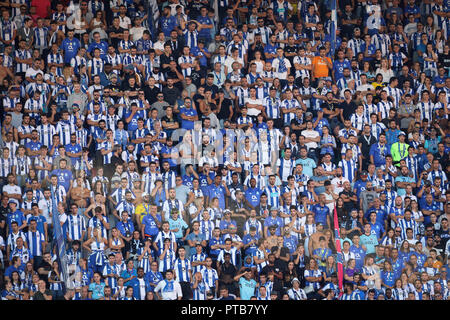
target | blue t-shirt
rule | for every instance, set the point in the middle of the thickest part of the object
(219, 193)
(205, 33)
(196, 238)
(70, 148)
(167, 24)
(33, 146)
(195, 51)
(180, 224)
(252, 248)
(338, 67)
(377, 229)
(187, 124)
(359, 186)
(253, 196)
(16, 216)
(360, 254)
(97, 290)
(247, 288)
(369, 242)
(150, 225)
(308, 166)
(103, 46)
(321, 213)
(271, 221)
(70, 48)
(64, 177)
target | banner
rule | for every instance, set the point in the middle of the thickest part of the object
(333, 27)
(58, 240)
(340, 258)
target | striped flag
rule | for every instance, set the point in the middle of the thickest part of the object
(340, 258)
(58, 241)
(333, 26)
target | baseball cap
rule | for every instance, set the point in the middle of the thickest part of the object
(273, 88)
(295, 279)
(364, 173)
(401, 133)
(145, 194)
(308, 114)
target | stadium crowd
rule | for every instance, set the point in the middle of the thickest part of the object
(200, 149)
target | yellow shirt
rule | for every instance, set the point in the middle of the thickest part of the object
(142, 210)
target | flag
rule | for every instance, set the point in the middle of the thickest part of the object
(58, 240)
(333, 26)
(340, 258)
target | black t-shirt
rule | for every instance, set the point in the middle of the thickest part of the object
(115, 41)
(197, 75)
(3, 215)
(351, 204)
(224, 112)
(163, 59)
(276, 268)
(47, 267)
(348, 109)
(151, 94)
(444, 59)
(114, 88)
(176, 46)
(296, 122)
(330, 106)
(214, 89)
(194, 9)
(291, 49)
(169, 121)
(366, 142)
(445, 235)
(376, 64)
(171, 94)
(227, 271)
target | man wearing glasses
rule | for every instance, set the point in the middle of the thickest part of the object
(159, 105)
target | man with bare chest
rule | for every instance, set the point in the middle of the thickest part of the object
(272, 239)
(313, 242)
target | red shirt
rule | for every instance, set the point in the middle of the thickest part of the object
(41, 7)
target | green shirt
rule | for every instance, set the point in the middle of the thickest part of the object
(399, 151)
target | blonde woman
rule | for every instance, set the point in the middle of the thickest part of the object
(385, 70)
(96, 245)
(115, 242)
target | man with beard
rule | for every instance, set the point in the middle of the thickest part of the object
(367, 196)
(274, 267)
(349, 196)
(365, 141)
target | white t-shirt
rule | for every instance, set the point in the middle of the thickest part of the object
(310, 134)
(253, 111)
(12, 190)
(31, 73)
(338, 184)
(276, 64)
(169, 295)
(229, 62)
